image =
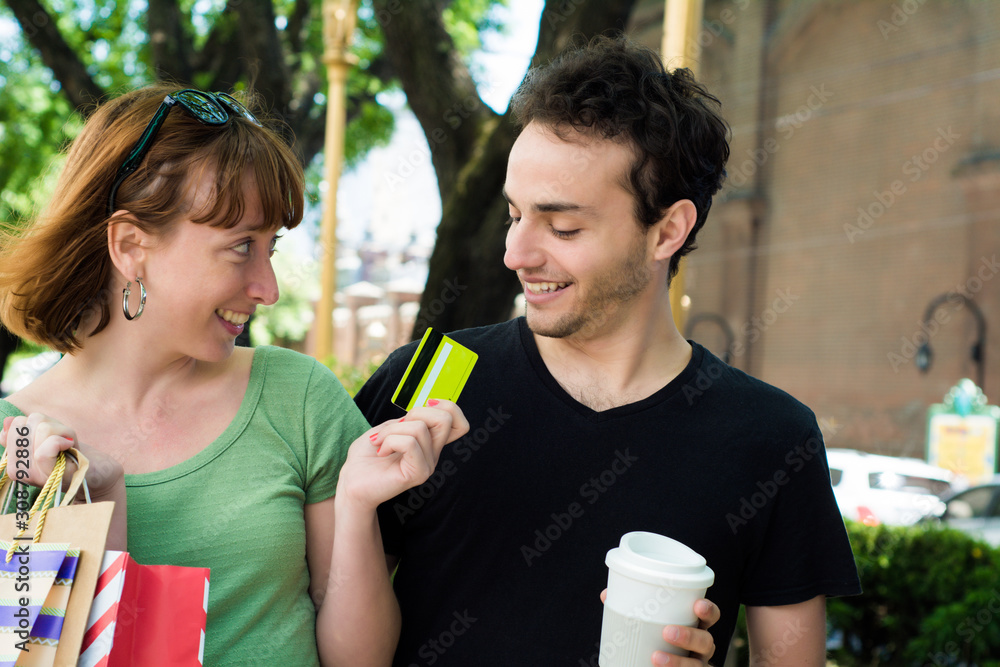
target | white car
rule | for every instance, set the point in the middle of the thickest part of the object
(892, 490)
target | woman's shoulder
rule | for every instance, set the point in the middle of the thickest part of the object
(281, 360)
(286, 370)
(9, 409)
(43, 394)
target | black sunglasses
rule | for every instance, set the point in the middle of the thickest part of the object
(209, 108)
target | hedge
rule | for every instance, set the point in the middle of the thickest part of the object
(931, 599)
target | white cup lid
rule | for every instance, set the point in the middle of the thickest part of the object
(659, 560)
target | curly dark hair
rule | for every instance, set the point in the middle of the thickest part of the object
(619, 90)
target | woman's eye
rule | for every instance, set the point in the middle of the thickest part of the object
(243, 248)
(271, 249)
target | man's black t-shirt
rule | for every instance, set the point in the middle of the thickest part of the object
(502, 550)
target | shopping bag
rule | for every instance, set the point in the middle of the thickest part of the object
(146, 614)
(83, 529)
(45, 634)
(25, 584)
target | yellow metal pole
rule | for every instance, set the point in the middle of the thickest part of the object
(339, 17)
(681, 48)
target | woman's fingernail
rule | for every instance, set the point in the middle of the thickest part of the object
(403, 419)
(373, 437)
(432, 402)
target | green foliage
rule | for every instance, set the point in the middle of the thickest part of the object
(287, 322)
(467, 20)
(352, 377)
(931, 599)
(33, 127)
(931, 596)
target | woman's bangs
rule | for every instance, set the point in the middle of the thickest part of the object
(255, 165)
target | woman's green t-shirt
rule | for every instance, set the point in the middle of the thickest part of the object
(237, 507)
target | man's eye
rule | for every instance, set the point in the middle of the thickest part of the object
(565, 234)
(513, 221)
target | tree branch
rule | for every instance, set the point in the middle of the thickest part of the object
(262, 45)
(42, 33)
(220, 55)
(563, 20)
(297, 22)
(438, 85)
(169, 43)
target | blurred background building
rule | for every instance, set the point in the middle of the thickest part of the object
(864, 183)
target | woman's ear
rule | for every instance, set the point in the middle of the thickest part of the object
(127, 245)
(671, 231)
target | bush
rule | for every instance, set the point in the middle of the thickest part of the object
(931, 597)
(352, 377)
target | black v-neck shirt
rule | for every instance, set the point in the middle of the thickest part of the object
(502, 550)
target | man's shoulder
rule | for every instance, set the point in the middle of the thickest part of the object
(742, 395)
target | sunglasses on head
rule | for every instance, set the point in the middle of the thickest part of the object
(209, 108)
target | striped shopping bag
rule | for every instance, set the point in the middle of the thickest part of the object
(146, 615)
(25, 584)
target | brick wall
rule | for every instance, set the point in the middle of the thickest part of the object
(864, 182)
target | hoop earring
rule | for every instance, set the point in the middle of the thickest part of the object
(142, 299)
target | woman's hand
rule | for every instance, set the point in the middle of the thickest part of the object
(42, 438)
(698, 641)
(399, 454)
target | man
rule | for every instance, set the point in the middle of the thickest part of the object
(593, 416)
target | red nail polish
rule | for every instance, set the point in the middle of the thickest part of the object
(432, 402)
(373, 437)
(403, 419)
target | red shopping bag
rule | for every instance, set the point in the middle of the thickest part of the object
(146, 615)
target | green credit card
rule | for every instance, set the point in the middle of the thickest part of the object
(439, 369)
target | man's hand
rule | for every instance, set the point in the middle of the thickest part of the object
(698, 641)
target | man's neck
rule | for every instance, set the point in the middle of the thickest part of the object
(617, 368)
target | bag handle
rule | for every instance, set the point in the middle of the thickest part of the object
(48, 496)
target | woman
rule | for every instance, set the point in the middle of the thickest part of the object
(144, 268)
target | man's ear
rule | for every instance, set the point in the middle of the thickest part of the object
(668, 235)
(127, 245)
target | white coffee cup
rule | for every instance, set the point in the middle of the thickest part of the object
(652, 581)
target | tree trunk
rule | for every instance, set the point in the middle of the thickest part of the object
(467, 283)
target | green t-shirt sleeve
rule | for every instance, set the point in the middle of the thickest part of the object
(331, 422)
